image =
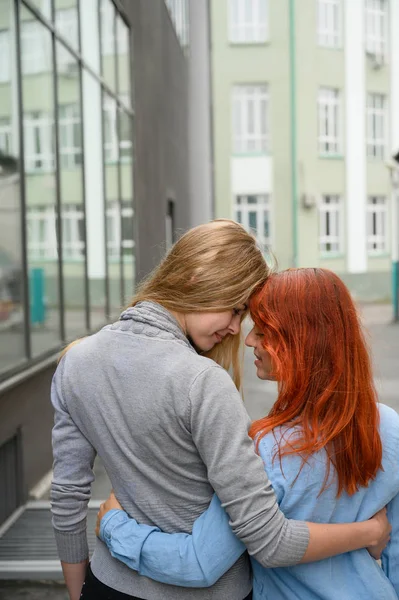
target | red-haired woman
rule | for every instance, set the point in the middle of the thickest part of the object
(330, 450)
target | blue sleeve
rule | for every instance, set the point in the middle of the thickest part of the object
(196, 560)
(390, 556)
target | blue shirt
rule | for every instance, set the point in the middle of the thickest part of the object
(200, 558)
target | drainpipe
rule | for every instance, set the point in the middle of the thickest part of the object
(294, 177)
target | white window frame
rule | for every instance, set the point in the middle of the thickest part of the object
(250, 119)
(261, 208)
(5, 56)
(111, 151)
(5, 136)
(73, 243)
(42, 235)
(71, 150)
(36, 54)
(330, 121)
(114, 228)
(331, 225)
(377, 225)
(108, 13)
(329, 23)
(377, 29)
(248, 21)
(39, 127)
(377, 125)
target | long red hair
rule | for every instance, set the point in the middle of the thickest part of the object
(321, 363)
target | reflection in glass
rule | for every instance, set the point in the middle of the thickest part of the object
(72, 199)
(12, 347)
(107, 29)
(94, 196)
(123, 58)
(44, 6)
(113, 208)
(126, 168)
(66, 23)
(40, 184)
(89, 33)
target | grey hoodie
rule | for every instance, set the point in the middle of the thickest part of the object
(170, 428)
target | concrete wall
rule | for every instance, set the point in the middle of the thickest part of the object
(160, 83)
(27, 407)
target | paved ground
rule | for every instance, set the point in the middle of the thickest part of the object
(259, 396)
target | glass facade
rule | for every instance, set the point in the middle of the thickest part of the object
(66, 174)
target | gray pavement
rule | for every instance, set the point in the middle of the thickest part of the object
(259, 397)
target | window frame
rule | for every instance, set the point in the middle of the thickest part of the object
(243, 140)
(329, 113)
(42, 233)
(331, 36)
(376, 43)
(377, 218)
(244, 31)
(334, 220)
(262, 208)
(39, 127)
(376, 117)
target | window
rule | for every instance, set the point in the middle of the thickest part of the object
(376, 125)
(248, 21)
(377, 28)
(250, 113)
(42, 237)
(39, 142)
(170, 225)
(330, 240)
(5, 137)
(329, 19)
(107, 28)
(117, 226)
(111, 132)
(5, 57)
(377, 225)
(73, 235)
(329, 121)
(36, 48)
(254, 213)
(70, 128)
(66, 22)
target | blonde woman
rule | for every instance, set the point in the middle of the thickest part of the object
(151, 396)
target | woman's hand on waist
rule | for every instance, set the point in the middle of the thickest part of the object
(111, 503)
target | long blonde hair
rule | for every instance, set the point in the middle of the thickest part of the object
(213, 267)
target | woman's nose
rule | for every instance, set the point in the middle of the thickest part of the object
(249, 340)
(235, 325)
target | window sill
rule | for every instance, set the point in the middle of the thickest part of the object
(331, 156)
(249, 154)
(334, 48)
(372, 255)
(261, 44)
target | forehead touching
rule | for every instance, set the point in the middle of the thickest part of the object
(240, 309)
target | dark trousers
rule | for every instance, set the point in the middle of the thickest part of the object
(93, 589)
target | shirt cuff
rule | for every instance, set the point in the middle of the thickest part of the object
(110, 520)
